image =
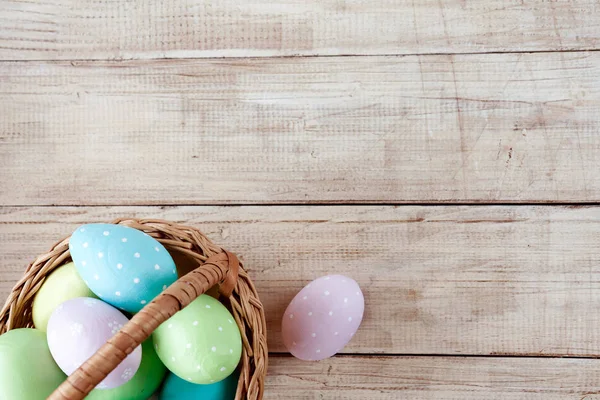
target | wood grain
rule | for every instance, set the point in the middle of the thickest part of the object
(101, 29)
(471, 128)
(510, 280)
(429, 378)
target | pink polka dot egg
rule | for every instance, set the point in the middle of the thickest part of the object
(78, 328)
(323, 317)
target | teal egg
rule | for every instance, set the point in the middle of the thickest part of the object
(145, 381)
(123, 266)
(176, 388)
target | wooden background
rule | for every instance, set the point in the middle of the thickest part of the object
(445, 154)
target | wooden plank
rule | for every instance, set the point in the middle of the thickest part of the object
(474, 128)
(90, 29)
(482, 280)
(429, 378)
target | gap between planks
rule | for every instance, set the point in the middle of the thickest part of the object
(324, 204)
(432, 355)
(295, 56)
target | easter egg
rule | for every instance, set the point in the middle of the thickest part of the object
(201, 343)
(27, 370)
(78, 328)
(123, 266)
(176, 388)
(61, 285)
(145, 382)
(323, 317)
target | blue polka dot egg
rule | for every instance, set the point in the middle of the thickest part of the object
(123, 266)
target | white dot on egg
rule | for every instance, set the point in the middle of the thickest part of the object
(143, 302)
(157, 249)
(100, 255)
(345, 299)
(156, 267)
(336, 333)
(313, 334)
(230, 351)
(195, 323)
(358, 293)
(212, 380)
(136, 280)
(174, 271)
(124, 240)
(349, 319)
(207, 306)
(83, 263)
(85, 245)
(220, 329)
(327, 278)
(327, 293)
(106, 233)
(198, 367)
(172, 358)
(96, 277)
(310, 313)
(164, 287)
(188, 346)
(213, 349)
(291, 316)
(136, 255)
(230, 321)
(82, 230)
(293, 343)
(170, 326)
(117, 293)
(330, 313)
(305, 297)
(119, 266)
(222, 369)
(318, 351)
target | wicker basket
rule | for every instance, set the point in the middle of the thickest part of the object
(217, 267)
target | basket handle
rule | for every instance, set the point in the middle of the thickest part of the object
(220, 268)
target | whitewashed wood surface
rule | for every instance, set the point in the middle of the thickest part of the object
(465, 128)
(433, 378)
(474, 280)
(92, 29)
(343, 136)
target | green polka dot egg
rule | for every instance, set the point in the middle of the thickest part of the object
(201, 343)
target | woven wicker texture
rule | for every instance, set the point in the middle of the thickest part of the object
(216, 266)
